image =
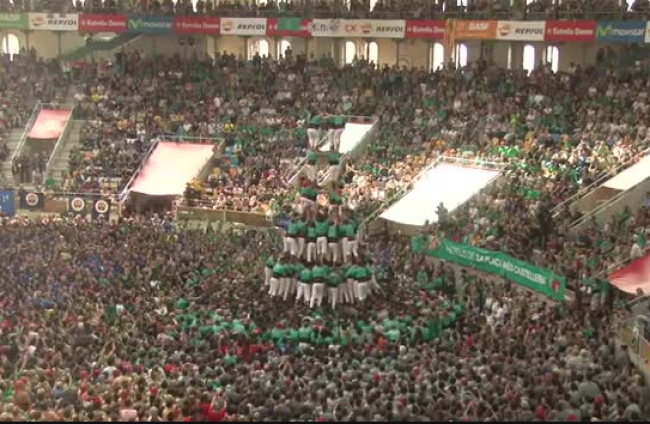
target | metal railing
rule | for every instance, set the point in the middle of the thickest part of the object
(28, 127)
(59, 142)
(596, 184)
(605, 205)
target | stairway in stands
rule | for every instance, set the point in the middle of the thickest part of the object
(60, 162)
(13, 140)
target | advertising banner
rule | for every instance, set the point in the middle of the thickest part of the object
(476, 30)
(361, 28)
(583, 31)
(538, 279)
(54, 21)
(145, 24)
(621, 32)
(433, 30)
(288, 27)
(243, 26)
(14, 21)
(7, 203)
(197, 25)
(521, 30)
(102, 23)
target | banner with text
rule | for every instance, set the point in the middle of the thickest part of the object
(14, 21)
(359, 28)
(154, 25)
(538, 279)
(243, 26)
(621, 32)
(521, 30)
(288, 27)
(201, 25)
(433, 30)
(475, 30)
(92, 22)
(54, 21)
(583, 31)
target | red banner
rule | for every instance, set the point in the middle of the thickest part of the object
(288, 27)
(49, 124)
(633, 277)
(582, 31)
(102, 23)
(425, 29)
(197, 25)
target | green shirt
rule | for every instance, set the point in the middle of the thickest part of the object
(270, 262)
(333, 232)
(319, 273)
(333, 158)
(322, 228)
(279, 270)
(333, 280)
(305, 276)
(294, 228)
(347, 230)
(311, 232)
(312, 158)
(351, 272)
(309, 193)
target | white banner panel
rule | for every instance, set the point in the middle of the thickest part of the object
(647, 32)
(359, 28)
(54, 21)
(243, 26)
(521, 30)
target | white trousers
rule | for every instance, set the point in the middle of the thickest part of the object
(311, 251)
(317, 292)
(268, 274)
(334, 251)
(333, 296)
(321, 246)
(363, 288)
(274, 290)
(334, 172)
(304, 293)
(338, 133)
(313, 135)
(310, 170)
(350, 247)
(331, 138)
(348, 290)
(301, 247)
(285, 288)
(291, 246)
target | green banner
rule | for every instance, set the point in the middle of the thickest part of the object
(538, 279)
(289, 24)
(14, 21)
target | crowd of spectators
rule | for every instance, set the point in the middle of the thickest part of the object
(359, 9)
(143, 320)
